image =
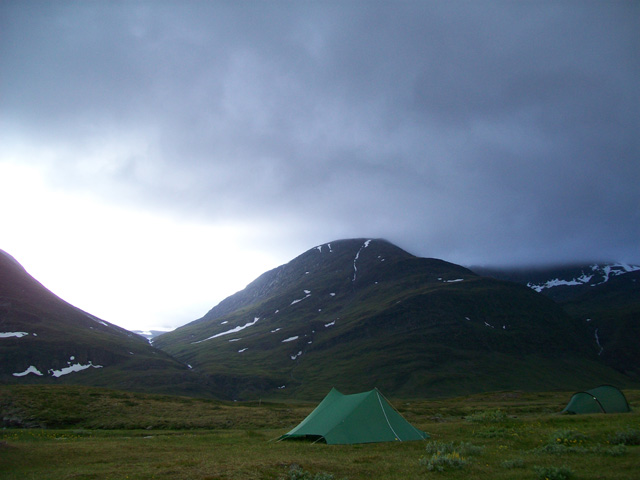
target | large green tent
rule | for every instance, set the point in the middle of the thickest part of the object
(603, 399)
(359, 418)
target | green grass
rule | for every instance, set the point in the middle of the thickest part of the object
(218, 440)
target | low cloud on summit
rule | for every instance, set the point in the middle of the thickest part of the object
(490, 132)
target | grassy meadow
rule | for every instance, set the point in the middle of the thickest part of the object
(87, 433)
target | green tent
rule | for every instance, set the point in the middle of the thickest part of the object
(603, 399)
(359, 418)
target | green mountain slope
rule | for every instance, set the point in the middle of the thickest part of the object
(45, 340)
(360, 313)
(605, 298)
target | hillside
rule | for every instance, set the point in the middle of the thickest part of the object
(604, 297)
(360, 313)
(45, 340)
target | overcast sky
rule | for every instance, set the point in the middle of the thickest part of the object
(156, 157)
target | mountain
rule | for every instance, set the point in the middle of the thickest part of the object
(360, 313)
(605, 297)
(44, 339)
(562, 282)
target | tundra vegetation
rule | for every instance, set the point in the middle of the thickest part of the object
(89, 433)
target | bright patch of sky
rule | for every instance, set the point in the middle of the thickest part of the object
(132, 268)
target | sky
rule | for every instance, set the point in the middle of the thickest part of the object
(158, 156)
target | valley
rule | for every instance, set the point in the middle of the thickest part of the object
(100, 433)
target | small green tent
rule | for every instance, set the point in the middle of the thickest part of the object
(603, 399)
(359, 418)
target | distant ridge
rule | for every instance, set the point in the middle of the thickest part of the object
(554, 281)
(605, 297)
(363, 313)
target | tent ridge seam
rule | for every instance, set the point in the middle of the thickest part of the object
(387, 418)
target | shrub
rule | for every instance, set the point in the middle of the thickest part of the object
(297, 473)
(463, 448)
(567, 438)
(627, 437)
(444, 455)
(613, 451)
(559, 449)
(441, 461)
(564, 441)
(515, 463)
(488, 416)
(494, 432)
(553, 473)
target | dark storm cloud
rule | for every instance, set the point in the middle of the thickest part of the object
(478, 132)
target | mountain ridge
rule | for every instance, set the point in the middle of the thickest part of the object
(605, 297)
(346, 305)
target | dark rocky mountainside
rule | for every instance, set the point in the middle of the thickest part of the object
(361, 313)
(604, 297)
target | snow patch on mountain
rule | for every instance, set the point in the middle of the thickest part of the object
(355, 260)
(77, 367)
(328, 245)
(556, 282)
(233, 330)
(13, 334)
(29, 370)
(604, 273)
(308, 294)
(70, 368)
(615, 269)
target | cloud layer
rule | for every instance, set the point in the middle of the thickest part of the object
(478, 132)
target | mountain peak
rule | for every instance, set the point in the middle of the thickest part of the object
(360, 313)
